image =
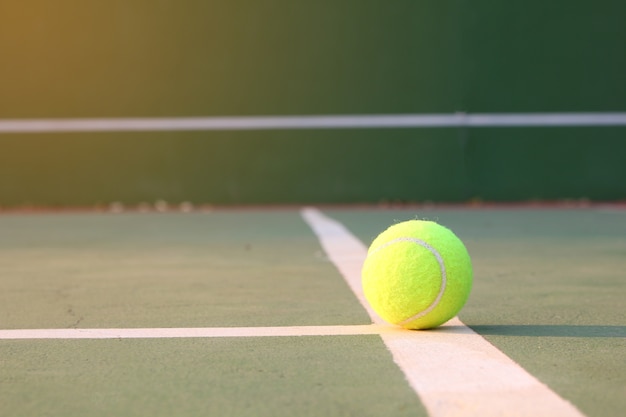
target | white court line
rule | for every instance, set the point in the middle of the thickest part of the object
(311, 122)
(204, 332)
(453, 370)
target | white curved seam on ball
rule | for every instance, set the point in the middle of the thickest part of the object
(442, 267)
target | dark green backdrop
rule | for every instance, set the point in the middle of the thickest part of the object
(168, 58)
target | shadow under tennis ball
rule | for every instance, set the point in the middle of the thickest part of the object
(549, 330)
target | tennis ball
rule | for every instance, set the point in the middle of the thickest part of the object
(417, 274)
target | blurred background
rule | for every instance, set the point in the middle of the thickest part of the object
(75, 59)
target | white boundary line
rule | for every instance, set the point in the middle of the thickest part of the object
(204, 332)
(454, 371)
(312, 122)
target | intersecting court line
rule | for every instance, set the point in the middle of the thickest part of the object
(191, 332)
(453, 370)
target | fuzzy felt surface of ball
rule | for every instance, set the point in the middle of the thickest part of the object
(417, 274)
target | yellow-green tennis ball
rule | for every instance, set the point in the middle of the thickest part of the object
(417, 274)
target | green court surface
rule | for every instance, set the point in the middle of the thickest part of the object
(549, 292)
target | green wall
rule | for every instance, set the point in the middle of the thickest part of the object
(169, 58)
